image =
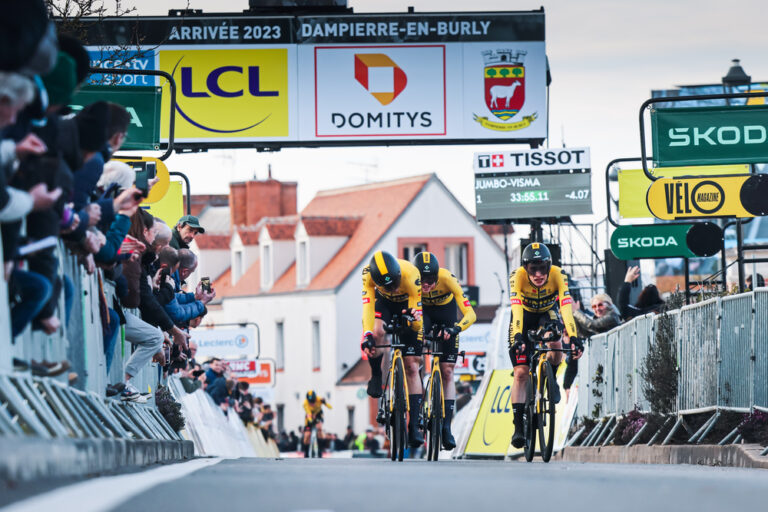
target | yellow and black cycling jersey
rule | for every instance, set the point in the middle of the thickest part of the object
(408, 292)
(446, 289)
(313, 409)
(525, 296)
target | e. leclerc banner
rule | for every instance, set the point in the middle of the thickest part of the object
(710, 135)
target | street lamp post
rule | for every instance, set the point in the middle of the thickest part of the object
(735, 78)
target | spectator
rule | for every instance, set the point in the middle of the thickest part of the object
(219, 391)
(649, 300)
(214, 371)
(606, 317)
(293, 440)
(349, 438)
(266, 419)
(162, 235)
(185, 231)
(192, 353)
(371, 443)
(759, 279)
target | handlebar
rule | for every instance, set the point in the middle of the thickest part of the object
(399, 321)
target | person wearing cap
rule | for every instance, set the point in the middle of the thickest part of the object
(185, 231)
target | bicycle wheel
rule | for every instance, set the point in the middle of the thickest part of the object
(436, 417)
(546, 416)
(313, 451)
(529, 421)
(399, 427)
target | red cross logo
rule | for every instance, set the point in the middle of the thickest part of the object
(497, 161)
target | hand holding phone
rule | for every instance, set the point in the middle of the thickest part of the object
(205, 283)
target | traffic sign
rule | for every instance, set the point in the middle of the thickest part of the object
(142, 104)
(710, 135)
(741, 196)
(666, 241)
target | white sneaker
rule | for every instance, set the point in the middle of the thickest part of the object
(131, 394)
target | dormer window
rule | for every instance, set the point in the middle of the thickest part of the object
(302, 267)
(266, 267)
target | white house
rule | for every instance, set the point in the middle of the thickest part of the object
(303, 289)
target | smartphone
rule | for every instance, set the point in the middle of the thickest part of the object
(151, 170)
(205, 283)
(142, 182)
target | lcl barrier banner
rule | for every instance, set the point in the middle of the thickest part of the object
(633, 183)
(324, 79)
(740, 196)
(492, 432)
(710, 135)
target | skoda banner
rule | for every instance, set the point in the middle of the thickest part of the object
(666, 241)
(224, 342)
(710, 135)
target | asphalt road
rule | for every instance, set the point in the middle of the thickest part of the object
(356, 485)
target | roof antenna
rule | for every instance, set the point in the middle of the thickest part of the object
(269, 171)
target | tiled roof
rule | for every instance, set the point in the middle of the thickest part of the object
(378, 205)
(208, 241)
(330, 226)
(249, 283)
(371, 208)
(222, 285)
(281, 231)
(249, 235)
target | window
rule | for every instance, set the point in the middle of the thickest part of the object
(266, 267)
(303, 264)
(456, 261)
(279, 346)
(409, 251)
(237, 271)
(316, 345)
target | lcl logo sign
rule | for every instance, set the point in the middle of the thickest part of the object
(225, 93)
(212, 82)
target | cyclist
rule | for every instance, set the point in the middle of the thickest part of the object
(392, 286)
(314, 416)
(534, 290)
(441, 293)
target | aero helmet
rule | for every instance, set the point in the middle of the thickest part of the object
(385, 270)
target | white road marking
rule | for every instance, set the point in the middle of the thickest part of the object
(107, 492)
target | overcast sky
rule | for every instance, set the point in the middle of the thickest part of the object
(605, 56)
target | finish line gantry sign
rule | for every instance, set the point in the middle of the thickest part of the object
(248, 81)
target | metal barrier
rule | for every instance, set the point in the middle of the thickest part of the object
(722, 350)
(760, 350)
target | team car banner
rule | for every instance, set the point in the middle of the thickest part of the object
(294, 81)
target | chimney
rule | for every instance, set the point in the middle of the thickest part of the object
(237, 203)
(251, 201)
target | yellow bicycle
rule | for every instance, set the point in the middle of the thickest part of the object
(393, 405)
(434, 398)
(539, 405)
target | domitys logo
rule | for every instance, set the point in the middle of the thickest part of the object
(504, 88)
(380, 76)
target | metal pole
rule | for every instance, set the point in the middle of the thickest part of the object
(740, 255)
(506, 248)
(186, 180)
(687, 282)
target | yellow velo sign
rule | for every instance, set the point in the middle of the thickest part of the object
(161, 171)
(740, 196)
(633, 183)
(227, 93)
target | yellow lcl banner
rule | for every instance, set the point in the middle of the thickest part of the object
(691, 198)
(633, 185)
(227, 93)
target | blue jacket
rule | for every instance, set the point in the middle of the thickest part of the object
(85, 180)
(180, 306)
(218, 391)
(115, 237)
